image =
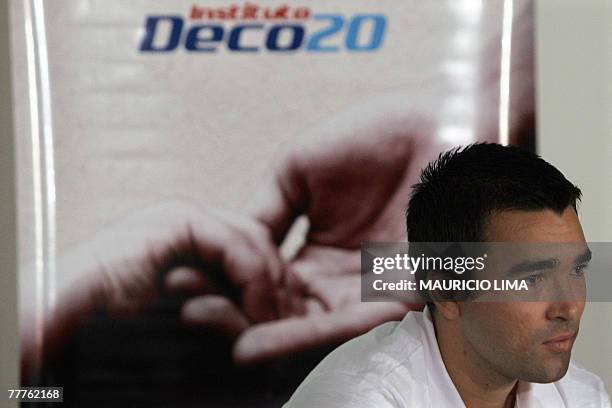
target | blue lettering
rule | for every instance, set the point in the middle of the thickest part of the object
(376, 36)
(297, 36)
(361, 32)
(234, 38)
(151, 28)
(195, 42)
(336, 21)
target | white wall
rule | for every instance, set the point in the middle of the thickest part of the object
(8, 314)
(575, 134)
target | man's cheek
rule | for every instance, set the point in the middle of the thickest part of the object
(519, 331)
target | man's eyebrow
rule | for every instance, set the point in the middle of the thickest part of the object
(550, 263)
(534, 265)
(584, 257)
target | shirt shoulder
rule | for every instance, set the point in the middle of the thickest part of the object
(367, 371)
(378, 351)
(581, 388)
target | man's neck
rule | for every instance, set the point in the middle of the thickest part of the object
(478, 384)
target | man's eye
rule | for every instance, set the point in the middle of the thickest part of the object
(534, 279)
(579, 270)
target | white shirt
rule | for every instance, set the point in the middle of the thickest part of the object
(398, 364)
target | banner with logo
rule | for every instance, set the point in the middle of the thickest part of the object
(195, 179)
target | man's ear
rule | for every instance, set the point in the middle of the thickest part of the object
(450, 310)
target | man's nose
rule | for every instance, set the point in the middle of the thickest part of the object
(567, 299)
(566, 310)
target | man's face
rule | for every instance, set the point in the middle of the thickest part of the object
(529, 341)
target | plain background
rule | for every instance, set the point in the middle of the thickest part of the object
(574, 103)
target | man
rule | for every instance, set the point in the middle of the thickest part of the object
(469, 353)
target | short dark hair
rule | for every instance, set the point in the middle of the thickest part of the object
(463, 186)
(458, 191)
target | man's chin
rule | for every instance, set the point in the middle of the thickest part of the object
(552, 370)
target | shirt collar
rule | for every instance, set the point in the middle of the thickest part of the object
(443, 392)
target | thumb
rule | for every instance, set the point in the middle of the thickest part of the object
(283, 198)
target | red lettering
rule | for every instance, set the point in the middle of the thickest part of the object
(281, 12)
(233, 10)
(301, 13)
(196, 13)
(249, 12)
